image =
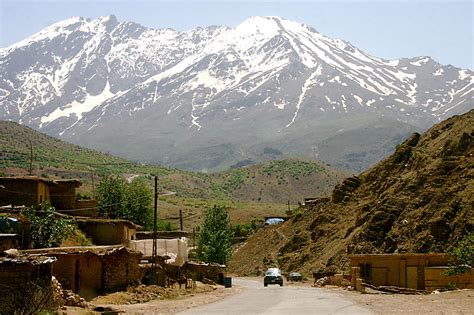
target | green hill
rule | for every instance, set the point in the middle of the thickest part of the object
(249, 192)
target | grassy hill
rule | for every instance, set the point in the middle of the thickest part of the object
(420, 199)
(250, 192)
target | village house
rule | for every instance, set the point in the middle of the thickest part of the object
(63, 193)
(108, 231)
(93, 270)
(27, 191)
(413, 271)
(34, 191)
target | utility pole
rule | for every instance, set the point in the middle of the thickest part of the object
(155, 220)
(194, 237)
(180, 220)
(93, 186)
(288, 205)
(31, 158)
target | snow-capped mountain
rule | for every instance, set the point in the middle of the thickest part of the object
(214, 96)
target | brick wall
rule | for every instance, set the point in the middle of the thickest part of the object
(17, 274)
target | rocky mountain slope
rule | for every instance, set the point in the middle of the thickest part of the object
(213, 97)
(420, 199)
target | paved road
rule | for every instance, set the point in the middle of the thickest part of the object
(256, 299)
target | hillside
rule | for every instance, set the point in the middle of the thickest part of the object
(250, 192)
(420, 199)
(51, 155)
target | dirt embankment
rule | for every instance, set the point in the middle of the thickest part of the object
(154, 299)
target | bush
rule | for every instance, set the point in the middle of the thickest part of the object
(463, 257)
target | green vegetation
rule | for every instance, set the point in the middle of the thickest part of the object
(48, 230)
(244, 229)
(131, 201)
(296, 169)
(163, 225)
(17, 142)
(215, 237)
(463, 257)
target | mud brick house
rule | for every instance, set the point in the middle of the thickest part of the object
(108, 231)
(28, 191)
(63, 193)
(93, 270)
(24, 281)
(414, 271)
(33, 191)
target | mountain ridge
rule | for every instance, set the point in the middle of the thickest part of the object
(90, 81)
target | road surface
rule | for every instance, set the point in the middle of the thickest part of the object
(256, 299)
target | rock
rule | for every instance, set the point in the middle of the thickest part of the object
(322, 281)
(12, 252)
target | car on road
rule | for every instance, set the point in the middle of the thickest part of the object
(273, 276)
(294, 276)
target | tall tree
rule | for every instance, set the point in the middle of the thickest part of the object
(138, 201)
(111, 196)
(215, 237)
(131, 201)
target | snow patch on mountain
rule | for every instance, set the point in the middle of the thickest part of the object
(79, 108)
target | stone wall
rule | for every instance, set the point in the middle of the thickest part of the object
(25, 285)
(120, 269)
(198, 272)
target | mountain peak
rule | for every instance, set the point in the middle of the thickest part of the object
(78, 77)
(109, 21)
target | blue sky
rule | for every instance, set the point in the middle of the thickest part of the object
(387, 29)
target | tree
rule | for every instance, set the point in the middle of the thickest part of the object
(138, 200)
(111, 196)
(215, 237)
(47, 229)
(130, 201)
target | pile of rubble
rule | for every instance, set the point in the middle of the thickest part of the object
(66, 297)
